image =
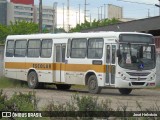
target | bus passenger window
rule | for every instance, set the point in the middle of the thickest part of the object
(20, 48)
(46, 50)
(95, 48)
(34, 48)
(79, 48)
(68, 48)
(113, 54)
(10, 48)
(108, 54)
(58, 55)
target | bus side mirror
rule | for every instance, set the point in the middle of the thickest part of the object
(118, 53)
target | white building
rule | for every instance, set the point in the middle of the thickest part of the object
(18, 12)
(48, 16)
(28, 12)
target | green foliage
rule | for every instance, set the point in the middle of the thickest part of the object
(18, 102)
(23, 27)
(11, 83)
(18, 28)
(4, 31)
(94, 24)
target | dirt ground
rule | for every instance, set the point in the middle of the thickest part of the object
(147, 98)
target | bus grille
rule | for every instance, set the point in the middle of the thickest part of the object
(138, 79)
(138, 83)
(138, 74)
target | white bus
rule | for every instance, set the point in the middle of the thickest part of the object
(123, 60)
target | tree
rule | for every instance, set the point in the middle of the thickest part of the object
(3, 33)
(94, 24)
(18, 28)
(23, 27)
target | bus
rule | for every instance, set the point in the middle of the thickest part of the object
(98, 60)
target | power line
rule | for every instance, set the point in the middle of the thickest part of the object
(136, 2)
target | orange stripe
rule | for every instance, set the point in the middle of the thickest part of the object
(57, 66)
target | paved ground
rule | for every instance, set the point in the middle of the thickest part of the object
(148, 99)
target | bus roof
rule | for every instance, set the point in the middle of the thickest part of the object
(71, 35)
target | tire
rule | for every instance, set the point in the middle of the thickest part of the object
(32, 80)
(93, 85)
(63, 86)
(125, 91)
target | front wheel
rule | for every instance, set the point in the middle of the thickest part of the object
(125, 91)
(32, 80)
(93, 85)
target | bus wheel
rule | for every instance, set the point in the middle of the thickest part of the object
(33, 80)
(93, 85)
(125, 91)
(63, 86)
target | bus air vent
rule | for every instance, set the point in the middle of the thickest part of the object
(138, 83)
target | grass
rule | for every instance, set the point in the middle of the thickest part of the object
(11, 83)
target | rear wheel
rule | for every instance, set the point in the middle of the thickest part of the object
(125, 91)
(63, 86)
(93, 85)
(33, 80)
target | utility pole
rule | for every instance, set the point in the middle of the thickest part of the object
(90, 19)
(68, 15)
(85, 10)
(63, 15)
(104, 11)
(40, 16)
(79, 13)
(101, 12)
(148, 13)
(98, 13)
(54, 16)
(76, 18)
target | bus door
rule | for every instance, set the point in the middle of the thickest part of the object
(60, 62)
(110, 64)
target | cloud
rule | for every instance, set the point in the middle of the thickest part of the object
(72, 18)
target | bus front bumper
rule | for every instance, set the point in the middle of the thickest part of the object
(119, 83)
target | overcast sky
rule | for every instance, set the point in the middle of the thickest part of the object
(130, 10)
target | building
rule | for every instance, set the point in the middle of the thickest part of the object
(3, 12)
(115, 11)
(47, 17)
(18, 10)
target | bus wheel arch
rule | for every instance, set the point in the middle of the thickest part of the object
(92, 83)
(32, 79)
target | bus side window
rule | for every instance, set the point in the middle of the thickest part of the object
(69, 48)
(46, 50)
(108, 54)
(20, 48)
(79, 48)
(34, 48)
(113, 54)
(10, 48)
(95, 48)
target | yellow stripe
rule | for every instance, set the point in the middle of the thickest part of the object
(57, 66)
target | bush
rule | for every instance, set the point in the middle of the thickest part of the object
(18, 102)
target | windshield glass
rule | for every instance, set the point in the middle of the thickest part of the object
(136, 56)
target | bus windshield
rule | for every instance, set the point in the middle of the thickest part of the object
(136, 56)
